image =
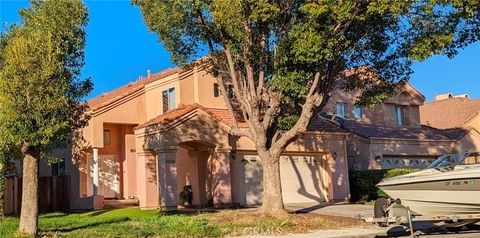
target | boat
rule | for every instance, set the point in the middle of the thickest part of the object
(448, 186)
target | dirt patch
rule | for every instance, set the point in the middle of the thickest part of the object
(241, 223)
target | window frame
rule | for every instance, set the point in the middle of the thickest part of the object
(345, 109)
(400, 113)
(56, 171)
(355, 107)
(168, 101)
(216, 90)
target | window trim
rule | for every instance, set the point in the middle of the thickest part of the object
(345, 109)
(168, 105)
(355, 112)
(56, 167)
(216, 90)
(403, 118)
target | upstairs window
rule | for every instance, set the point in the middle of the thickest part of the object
(400, 115)
(216, 90)
(168, 99)
(341, 109)
(358, 112)
(58, 168)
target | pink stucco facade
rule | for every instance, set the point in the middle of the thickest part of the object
(154, 163)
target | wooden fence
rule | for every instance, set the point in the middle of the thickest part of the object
(53, 194)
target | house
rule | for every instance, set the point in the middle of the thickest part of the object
(150, 138)
(458, 116)
(389, 135)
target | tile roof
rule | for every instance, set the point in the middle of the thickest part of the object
(458, 133)
(112, 96)
(370, 130)
(449, 113)
(222, 115)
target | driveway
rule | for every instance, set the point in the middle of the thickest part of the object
(359, 210)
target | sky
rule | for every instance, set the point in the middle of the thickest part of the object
(120, 50)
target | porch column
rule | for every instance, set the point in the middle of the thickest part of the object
(167, 178)
(220, 170)
(95, 171)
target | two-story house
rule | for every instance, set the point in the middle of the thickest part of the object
(150, 138)
(458, 116)
(389, 135)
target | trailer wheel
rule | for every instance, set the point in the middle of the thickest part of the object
(379, 207)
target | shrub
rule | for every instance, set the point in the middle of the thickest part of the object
(363, 183)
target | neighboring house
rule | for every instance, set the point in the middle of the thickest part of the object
(458, 116)
(150, 138)
(389, 135)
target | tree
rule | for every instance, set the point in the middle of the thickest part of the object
(40, 88)
(284, 57)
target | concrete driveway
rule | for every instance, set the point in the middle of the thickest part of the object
(356, 210)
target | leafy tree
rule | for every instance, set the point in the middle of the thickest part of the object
(40, 88)
(284, 57)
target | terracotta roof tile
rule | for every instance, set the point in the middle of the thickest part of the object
(449, 113)
(222, 115)
(456, 133)
(112, 96)
(370, 130)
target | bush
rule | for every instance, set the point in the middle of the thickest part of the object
(363, 183)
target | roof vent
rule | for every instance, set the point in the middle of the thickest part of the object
(443, 97)
(462, 96)
(148, 73)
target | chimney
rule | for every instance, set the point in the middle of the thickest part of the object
(148, 73)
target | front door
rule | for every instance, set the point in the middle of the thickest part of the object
(108, 177)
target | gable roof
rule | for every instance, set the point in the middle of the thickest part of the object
(114, 95)
(371, 130)
(222, 115)
(449, 113)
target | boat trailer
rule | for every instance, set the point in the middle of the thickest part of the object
(384, 217)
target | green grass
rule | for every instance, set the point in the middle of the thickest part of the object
(127, 222)
(133, 222)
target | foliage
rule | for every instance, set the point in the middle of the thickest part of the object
(285, 58)
(363, 183)
(40, 86)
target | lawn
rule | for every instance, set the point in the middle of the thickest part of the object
(133, 222)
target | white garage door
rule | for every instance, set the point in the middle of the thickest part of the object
(304, 178)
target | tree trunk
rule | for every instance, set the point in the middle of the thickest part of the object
(272, 203)
(29, 210)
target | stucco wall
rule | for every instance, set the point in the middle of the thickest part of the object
(470, 142)
(382, 114)
(153, 95)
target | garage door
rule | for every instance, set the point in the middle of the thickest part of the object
(304, 178)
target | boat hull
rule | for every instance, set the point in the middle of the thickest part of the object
(431, 192)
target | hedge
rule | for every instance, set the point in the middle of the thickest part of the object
(362, 183)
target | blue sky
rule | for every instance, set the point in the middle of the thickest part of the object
(120, 49)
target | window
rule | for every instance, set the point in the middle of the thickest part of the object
(230, 92)
(342, 109)
(400, 115)
(216, 90)
(168, 99)
(58, 168)
(358, 112)
(107, 137)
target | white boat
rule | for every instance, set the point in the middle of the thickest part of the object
(449, 186)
